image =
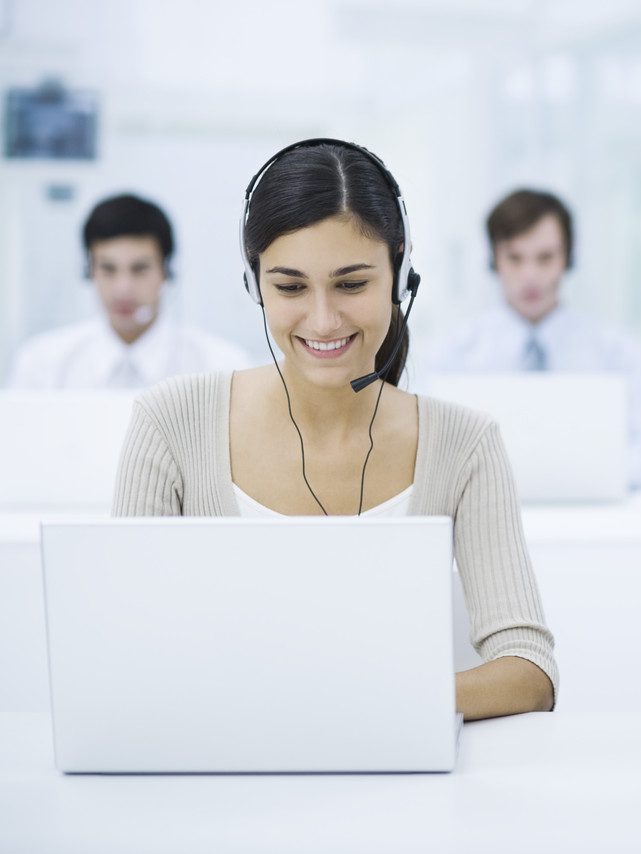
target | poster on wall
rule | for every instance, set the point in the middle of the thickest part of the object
(51, 122)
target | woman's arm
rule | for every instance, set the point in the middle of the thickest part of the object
(505, 686)
(148, 482)
(508, 628)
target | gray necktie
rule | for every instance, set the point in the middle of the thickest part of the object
(534, 357)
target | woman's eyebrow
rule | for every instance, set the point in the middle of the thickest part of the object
(352, 268)
(287, 271)
(342, 271)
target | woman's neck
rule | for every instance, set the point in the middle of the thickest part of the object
(328, 411)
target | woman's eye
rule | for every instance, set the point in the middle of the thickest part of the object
(352, 286)
(289, 289)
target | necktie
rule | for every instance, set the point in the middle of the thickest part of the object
(534, 356)
(124, 375)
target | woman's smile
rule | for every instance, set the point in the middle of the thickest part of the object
(326, 349)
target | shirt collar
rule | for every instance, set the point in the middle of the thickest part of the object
(147, 355)
(545, 329)
(550, 328)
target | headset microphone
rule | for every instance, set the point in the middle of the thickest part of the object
(143, 314)
(362, 382)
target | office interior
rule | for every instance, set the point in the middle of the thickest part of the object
(465, 101)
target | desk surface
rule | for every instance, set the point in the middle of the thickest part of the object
(555, 782)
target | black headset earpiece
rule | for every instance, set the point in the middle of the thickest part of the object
(253, 288)
(413, 281)
(397, 288)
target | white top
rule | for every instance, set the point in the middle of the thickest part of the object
(398, 505)
(497, 340)
(90, 355)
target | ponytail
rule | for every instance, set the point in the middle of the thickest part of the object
(397, 367)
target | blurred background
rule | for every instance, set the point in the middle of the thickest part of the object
(183, 101)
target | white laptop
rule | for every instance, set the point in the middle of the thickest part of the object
(59, 450)
(250, 645)
(566, 434)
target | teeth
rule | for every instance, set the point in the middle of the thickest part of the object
(326, 345)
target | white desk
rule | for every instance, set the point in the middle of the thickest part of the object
(541, 782)
(588, 564)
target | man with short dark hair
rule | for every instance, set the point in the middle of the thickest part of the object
(531, 243)
(129, 244)
(531, 239)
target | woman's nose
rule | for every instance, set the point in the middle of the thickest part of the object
(324, 317)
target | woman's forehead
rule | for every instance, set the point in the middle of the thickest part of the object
(334, 242)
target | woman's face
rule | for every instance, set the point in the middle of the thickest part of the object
(327, 296)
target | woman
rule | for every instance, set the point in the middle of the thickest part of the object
(327, 252)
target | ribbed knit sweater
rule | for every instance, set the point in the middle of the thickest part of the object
(175, 461)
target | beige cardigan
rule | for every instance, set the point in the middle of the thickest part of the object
(175, 461)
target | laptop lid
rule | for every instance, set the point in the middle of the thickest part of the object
(250, 645)
(565, 434)
(60, 449)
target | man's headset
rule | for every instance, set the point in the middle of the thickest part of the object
(406, 280)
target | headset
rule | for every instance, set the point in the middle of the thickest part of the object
(406, 280)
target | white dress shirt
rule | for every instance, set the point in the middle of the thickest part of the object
(500, 339)
(91, 355)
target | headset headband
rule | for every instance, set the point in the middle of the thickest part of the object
(405, 279)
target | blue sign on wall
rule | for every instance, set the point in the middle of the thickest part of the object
(51, 122)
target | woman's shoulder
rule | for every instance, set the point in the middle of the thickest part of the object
(185, 398)
(452, 426)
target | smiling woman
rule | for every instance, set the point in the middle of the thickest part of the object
(326, 248)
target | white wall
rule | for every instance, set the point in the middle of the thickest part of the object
(462, 99)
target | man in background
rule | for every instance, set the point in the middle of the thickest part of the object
(531, 239)
(129, 244)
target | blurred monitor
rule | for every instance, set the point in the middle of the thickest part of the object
(59, 450)
(566, 434)
(51, 122)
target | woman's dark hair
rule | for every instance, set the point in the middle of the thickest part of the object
(310, 184)
(127, 216)
(520, 211)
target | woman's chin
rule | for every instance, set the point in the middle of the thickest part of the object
(328, 376)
